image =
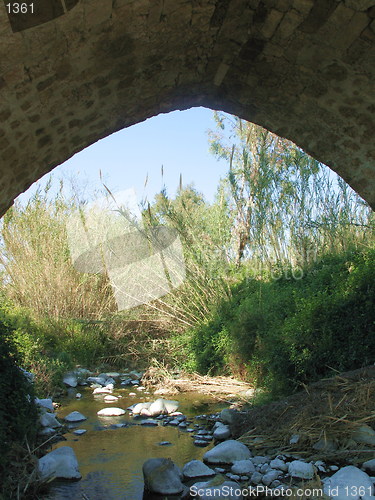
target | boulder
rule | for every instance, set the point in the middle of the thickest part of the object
(158, 408)
(228, 415)
(196, 468)
(45, 403)
(102, 390)
(222, 432)
(97, 380)
(60, 464)
(49, 420)
(256, 478)
(79, 432)
(111, 412)
(369, 465)
(171, 406)
(364, 435)
(70, 380)
(137, 409)
(270, 476)
(349, 483)
(75, 416)
(278, 464)
(227, 452)
(162, 476)
(301, 470)
(243, 467)
(47, 431)
(110, 399)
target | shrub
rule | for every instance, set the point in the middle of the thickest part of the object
(18, 413)
(288, 332)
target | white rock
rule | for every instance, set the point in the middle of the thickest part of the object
(242, 467)
(227, 452)
(222, 432)
(369, 465)
(278, 464)
(110, 399)
(60, 463)
(79, 432)
(301, 470)
(78, 395)
(171, 406)
(157, 407)
(349, 483)
(145, 412)
(70, 380)
(75, 416)
(196, 468)
(102, 390)
(136, 410)
(49, 420)
(111, 412)
(364, 435)
(45, 403)
(162, 476)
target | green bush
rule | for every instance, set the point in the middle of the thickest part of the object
(18, 413)
(293, 331)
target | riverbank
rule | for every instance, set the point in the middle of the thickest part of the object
(325, 429)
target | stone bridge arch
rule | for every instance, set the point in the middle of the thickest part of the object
(75, 71)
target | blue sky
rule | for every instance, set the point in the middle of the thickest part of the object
(177, 140)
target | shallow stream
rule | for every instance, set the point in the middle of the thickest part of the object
(110, 459)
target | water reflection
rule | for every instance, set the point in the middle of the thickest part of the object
(111, 459)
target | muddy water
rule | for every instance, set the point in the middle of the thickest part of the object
(110, 459)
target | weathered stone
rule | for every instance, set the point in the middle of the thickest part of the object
(74, 416)
(127, 61)
(111, 412)
(349, 482)
(60, 463)
(227, 452)
(301, 470)
(162, 476)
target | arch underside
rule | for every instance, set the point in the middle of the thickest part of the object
(301, 68)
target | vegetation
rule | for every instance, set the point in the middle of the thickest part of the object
(286, 332)
(279, 286)
(278, 275)
(17, 410)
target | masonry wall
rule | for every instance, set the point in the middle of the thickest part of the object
(79, 70)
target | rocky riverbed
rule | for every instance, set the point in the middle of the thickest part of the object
(125, 442)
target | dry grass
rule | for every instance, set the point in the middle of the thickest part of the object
(21, 481)
(329, 410)
(159, 378)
